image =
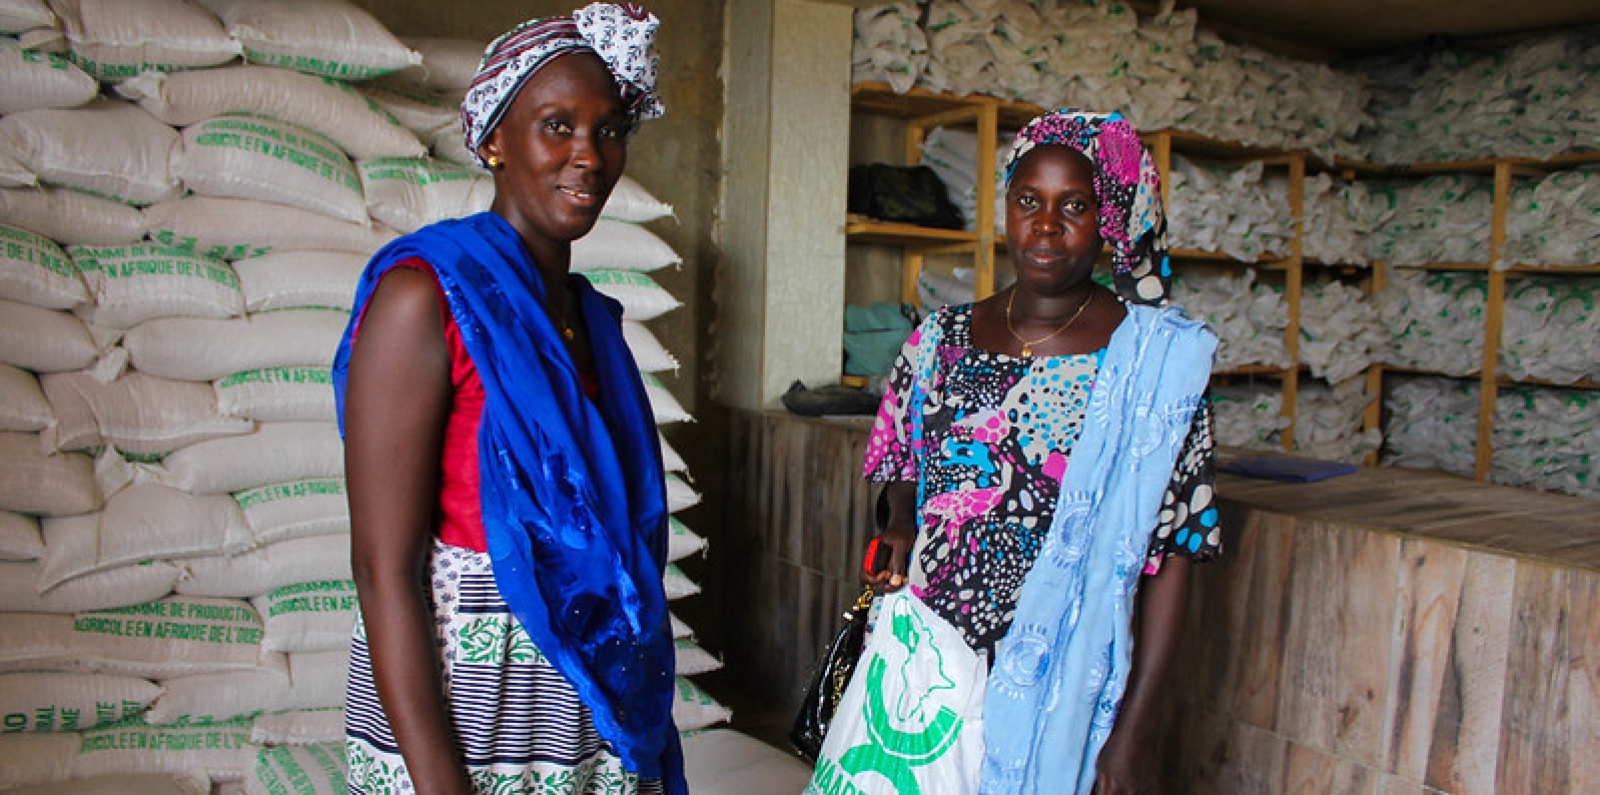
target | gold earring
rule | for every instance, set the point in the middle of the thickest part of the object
(495, 163)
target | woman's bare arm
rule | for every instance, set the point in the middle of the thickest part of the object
(396, 403)
(1128, 763)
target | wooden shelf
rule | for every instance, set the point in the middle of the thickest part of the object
(866, 230)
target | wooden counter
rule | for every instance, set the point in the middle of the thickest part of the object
(1385, 632)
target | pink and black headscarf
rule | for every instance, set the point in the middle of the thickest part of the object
(622, 34)
(1127, 186)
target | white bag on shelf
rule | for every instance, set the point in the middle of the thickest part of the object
(23, 407)
(410, 193)
(132, 284)
(125, 585)
(300, 280)
(140, 414)
(55, 702)
(32, 482)
(278, 394)
(258, 571)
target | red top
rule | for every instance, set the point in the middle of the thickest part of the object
(460, 510)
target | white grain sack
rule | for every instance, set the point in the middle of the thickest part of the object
(282, 511)
(141, 522)
(666, 408)
(276, 452)
(19, 539)
(30, 80)
(57, 702)
(37, 758)
(238, 228)
(243, 156)
(278, 394)
(222, 750)
(629, 201)
(140, 414)
(301, 769)
(726, 762)
(15, 175)
(447, 64)
(410, 193)
(313, 680)
(126, 585)
(300, 280)
(32, 482)
(424, 111)
(680, 495)
(670, 460)
(648, 352)
(300, 726)
(17, 16)
(642, 298)
(620, 246)
(71, 216)
(681, 541)
(694, 708)
(677, 585)
(693, 660)
(112, 149)
(23, 407)
(198, 349)
(188, 783)
(34, 270)
(308, 616)
(132, 284)
(332, 108)
(115, 39)
(44, 340)
(331, 38)
(172, 636)
(273, 566)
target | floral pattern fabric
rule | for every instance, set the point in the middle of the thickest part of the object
(996, 438)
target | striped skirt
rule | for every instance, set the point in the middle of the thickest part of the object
(519, 725)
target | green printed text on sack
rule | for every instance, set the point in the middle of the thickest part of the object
(123, 262)
(328, 487)
(23, 246)
(313, 597)
(321, 376)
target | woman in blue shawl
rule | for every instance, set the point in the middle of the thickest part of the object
(507, 501)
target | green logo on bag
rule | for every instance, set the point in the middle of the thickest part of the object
(890, 752)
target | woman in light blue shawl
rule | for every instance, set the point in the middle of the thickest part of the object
(1049, 465)
(507, 501)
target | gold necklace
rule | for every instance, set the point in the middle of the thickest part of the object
(1027, 347)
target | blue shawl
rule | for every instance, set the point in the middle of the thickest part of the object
(1060, 671)
(573, 491)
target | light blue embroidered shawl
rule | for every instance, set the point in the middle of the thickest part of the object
(1060, 672)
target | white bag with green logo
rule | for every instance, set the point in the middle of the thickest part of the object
(911, 721)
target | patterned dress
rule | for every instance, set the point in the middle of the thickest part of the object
(997, 436)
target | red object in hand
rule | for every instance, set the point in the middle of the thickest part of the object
(877, 557)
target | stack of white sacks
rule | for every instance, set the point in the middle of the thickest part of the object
(1236, 211)
(1445, 218)
(1547, 439)
(1161, 71)
(1526, 100)
(180, 254)
(1431, 423)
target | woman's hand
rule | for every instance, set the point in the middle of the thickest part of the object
(1125, 766)
(896, 538)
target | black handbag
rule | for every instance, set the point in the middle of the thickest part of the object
(829, 678)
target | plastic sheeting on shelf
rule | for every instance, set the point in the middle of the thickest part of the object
(1434, 320)
(1248, 317)
(1432, 424)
